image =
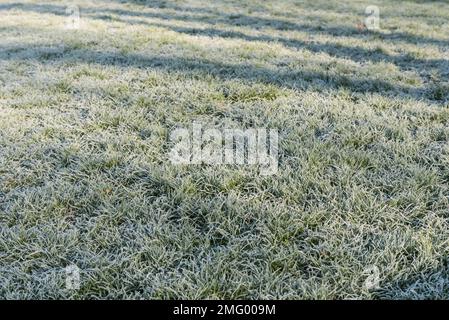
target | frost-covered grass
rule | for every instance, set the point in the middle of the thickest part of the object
(363, 178)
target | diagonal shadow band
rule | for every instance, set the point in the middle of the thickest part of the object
(283, 77)
(405, 62)
(195, 14)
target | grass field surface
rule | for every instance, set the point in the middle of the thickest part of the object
(359, 205)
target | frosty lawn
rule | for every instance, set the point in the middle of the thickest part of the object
(362, 182)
